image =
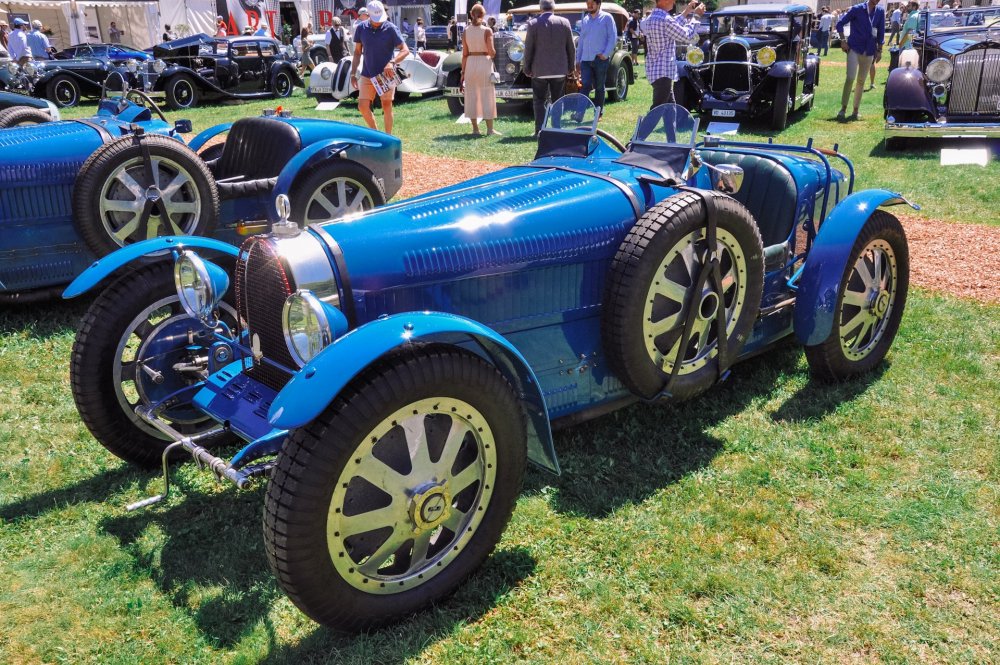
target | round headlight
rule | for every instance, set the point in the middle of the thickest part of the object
(515, 51)
(132, 66)
(159, 66)
(939, 70)
(200, 286)
(694, 56)
(12, 68)
(511, 68)
(306, 326)
(766, 56)
(325, 73)
(30, 69)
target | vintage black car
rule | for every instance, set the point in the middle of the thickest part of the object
(17, 110)
(514, 85)
(757, 65)
(948, 83)
(192, 68)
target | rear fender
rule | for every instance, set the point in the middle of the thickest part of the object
(202, 138)
(317, 384)
(452, 62)
(308, 158)
(819, 284)
(102, 268)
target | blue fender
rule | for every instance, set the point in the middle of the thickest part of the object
(781, 70)
(824, 268)
(313, 388)
(97, 271)
(309, 157)
(202, 138)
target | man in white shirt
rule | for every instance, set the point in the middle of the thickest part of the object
(895, 23)
(825, 23)
(38, 43)
(17, 43)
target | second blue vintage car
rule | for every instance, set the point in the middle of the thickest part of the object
(391, 373)
(76, 190)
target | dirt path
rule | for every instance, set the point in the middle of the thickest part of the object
(958, 259)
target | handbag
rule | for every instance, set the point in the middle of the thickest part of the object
(494, 77)
(572, 85)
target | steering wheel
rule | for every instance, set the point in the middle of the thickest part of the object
(610, 138)
(147, 101)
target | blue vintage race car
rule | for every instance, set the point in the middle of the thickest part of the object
(393, 372)
(76, 190)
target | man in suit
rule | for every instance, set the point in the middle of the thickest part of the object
(549, 57)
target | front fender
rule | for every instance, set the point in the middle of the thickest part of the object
(317, 384)
(781, 70)
(311, 155)
(97, 271)
(819, 284)
(906, 90)
(202, 138)
(452, 62)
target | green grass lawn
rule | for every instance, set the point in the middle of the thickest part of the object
(955, 193)
(774, 519)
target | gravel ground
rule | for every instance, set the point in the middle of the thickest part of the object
(939, 250)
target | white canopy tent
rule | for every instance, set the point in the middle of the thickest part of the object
(81, 21)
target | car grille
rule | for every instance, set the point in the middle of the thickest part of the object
(731, 76)
(262, 286)
(975, 85)
(501, 42)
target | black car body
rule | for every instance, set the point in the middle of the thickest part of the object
(757, 64)
(196, 67)
(514, 85)
(948, 83)
(437, 37)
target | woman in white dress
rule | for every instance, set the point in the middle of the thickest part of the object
(477, 65)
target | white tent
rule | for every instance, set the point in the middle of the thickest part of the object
(187, 17)
(80, 21)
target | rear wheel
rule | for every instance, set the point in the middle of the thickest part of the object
(455, 104)
(282, 84)
(398, 491)
(63, 91)
(124, 354)
(20, 116)
(870, 302)
(620, 90)
(333, 190)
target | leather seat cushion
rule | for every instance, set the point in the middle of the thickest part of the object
(257, 148)
(768, 192)
(430, 58)
(246, 188)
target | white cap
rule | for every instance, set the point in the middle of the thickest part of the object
(376, 11)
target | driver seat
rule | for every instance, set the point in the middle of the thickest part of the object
(255, 152)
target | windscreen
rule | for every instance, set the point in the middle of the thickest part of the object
(667, 123)
(572, 113)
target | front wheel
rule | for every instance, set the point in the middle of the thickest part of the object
(398, 491)
(125, 355)
(20, 116)
(181, 92)
(870, 302)
(332, 190)
(456, 105)
(63, 91)
(779, 110)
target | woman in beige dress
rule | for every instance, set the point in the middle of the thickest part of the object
(477, 64)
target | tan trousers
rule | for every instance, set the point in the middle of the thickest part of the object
(858, 66)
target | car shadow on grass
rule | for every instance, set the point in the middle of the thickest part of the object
(95, 489)
(42, 320)
(820, 398)
(626, 456)
(212, 565)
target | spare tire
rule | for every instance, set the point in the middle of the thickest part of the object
(116, 203)
(23, 115)
(650, 288)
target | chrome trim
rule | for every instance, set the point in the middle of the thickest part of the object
(936, 129)
(307, 263)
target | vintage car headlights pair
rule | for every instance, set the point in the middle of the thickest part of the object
(939, 70)
(200, 286)
(766, 56)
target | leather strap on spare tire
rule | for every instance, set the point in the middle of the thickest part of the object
(683, 293)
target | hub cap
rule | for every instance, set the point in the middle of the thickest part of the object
(673, 283)
(412, 495)
(869, 298)
(176, 202)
